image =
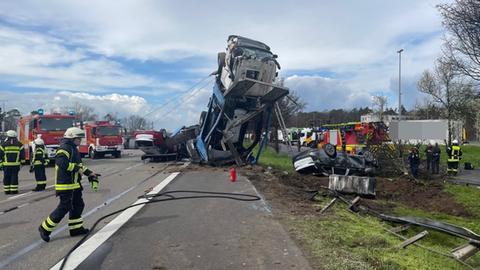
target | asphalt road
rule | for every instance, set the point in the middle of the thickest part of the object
(183, 234)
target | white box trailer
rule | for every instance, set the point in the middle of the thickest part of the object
(422, 131)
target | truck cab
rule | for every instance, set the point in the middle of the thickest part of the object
(101, 138)
(49, 127)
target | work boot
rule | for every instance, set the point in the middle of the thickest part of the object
(44, 234)
(79, 231)
(14, 192)
(38, 188)
(7, 192)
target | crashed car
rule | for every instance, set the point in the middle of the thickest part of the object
(328, 161)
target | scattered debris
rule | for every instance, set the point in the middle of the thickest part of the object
(413, 239)
(361, 185)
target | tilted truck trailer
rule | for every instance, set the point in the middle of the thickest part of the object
(49, 127)
(101, 138)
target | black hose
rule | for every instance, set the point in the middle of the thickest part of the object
(168, 197)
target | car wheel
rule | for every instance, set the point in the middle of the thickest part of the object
(368, 156)
(330, 150)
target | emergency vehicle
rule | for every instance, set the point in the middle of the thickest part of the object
(101, 138)
(354, 136)
(49, 127)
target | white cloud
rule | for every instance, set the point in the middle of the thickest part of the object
(55, 101)
(322, 93)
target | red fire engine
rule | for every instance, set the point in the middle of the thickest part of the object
(49, 127)
(355, 136)
(101, 137)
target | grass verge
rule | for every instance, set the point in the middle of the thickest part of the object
(340, 239)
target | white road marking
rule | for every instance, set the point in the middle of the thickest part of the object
(131, 167)
(18, 196)
(89, 246)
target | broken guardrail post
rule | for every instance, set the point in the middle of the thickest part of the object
(465, 251)
(413, 239)
(328, 205)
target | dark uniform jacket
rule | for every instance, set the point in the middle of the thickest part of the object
(40, 157)
(12, 152)
(68, 167)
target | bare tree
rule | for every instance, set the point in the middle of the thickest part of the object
(84, 112)
(9, 119)
(381, 103)
(462, 21)
(447, 89)
(136, 122)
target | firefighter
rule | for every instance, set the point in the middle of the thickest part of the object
(414, 159)
(38, 163)
(68, 170)
(12, 155)
(436, 159)
(454, 155)
(429, 155)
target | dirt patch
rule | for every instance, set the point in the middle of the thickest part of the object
(294, 191)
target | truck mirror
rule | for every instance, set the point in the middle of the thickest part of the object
(35, 123)
(94, 131)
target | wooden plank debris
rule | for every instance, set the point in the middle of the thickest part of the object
(412, 240)
(464, 252)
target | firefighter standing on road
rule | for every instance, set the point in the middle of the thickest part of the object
(12, 155)
(38, 163)
(68, 170)
(454, 155)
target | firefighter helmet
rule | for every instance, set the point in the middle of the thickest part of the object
(38, 141)
(11, 134)
(455, 141)
(74, 132)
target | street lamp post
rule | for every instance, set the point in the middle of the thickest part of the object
(400, 84)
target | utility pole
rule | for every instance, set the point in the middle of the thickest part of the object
(400, 84)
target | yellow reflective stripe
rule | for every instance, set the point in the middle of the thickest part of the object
(13, 148)
(7, 163)
(61, 151)
(75, 220)
(50, 222)
(71, 166)
(45, 227)
(37, 162)
(71, 227)
(41, 182)
(67, 186)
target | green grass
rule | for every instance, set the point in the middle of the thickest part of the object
(280, 161)
(340, 239)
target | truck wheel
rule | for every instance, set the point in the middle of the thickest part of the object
(92, 153)
(117, 154)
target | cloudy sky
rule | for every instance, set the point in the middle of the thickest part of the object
(142, 56)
